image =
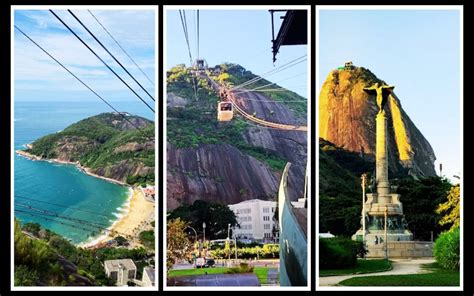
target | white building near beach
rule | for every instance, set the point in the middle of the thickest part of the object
(148, 278)
(256, 220)
(121, 270)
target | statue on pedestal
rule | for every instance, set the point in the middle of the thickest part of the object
(382, 92)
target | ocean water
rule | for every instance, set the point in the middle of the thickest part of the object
(60, 197)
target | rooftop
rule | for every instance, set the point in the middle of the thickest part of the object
(255, 200)
(150, 271)
(113, 265)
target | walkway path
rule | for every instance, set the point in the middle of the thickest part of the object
(400, 266)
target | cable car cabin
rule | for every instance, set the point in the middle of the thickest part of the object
(225, 111)
(200, 64)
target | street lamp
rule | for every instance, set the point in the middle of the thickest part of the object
(228, 231)
(204, 231)
(195, 241)
(385, 234)
(364, 180)
(195, 234)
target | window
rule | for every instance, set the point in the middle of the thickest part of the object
(266, 218)
(266, 226)
(266, 210)
(267, 235)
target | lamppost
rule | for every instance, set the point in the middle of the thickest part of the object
(228, 238)
(195, 234)
(195, 241)
(204, 231)
(385, 234)
(364, 180)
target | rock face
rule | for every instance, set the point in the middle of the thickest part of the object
(347, 119)
(224, 171)
(218, 173)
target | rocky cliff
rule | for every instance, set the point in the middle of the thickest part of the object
(347, 119)
(106, 145)
(228, 162)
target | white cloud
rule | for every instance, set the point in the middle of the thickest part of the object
(35, 70)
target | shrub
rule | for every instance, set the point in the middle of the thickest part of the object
(268, 251)
(446, 249)
(147, 238)
(243, 268)
(338, 252)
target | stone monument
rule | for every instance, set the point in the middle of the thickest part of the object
(382, 210)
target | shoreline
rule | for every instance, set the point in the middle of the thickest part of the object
(83, 169)
(139, 213)
(135, 215)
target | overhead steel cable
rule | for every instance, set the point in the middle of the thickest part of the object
(54, 214)
(115, 59)
(112, 70)
(29, 199)
(47, 217)
(182, 15)
(197, 33)
(82, 82)
(37, 215)
(124, 51)
(273, 71)
(274, 83)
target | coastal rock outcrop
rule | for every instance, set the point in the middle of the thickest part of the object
(111, 145)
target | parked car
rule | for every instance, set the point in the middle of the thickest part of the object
(204, 263)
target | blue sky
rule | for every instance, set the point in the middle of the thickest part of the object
(38, 77)
(235, 36)
(418, 51)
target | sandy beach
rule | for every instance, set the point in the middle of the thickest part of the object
(137, 219)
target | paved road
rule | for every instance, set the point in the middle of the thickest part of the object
(400, 266)
(216, 280)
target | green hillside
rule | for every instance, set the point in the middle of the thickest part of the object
(107, 144)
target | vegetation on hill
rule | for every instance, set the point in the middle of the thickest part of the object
(45, 258)
(107, 144)
(235, 75)
(197, 123)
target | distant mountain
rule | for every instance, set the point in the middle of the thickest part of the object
(347, 119)
(106, 145)
(228, 162)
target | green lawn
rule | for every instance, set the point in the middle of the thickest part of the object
(363, 266)
(197, 271)
(260, 272)
(436, 277)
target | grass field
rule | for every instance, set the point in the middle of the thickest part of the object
(435, 277)
(260, 272)
(363, 266)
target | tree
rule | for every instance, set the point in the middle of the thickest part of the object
(178, 244)
(216, 216)
(120, 240)
(24, 276)
(451, 208)
(147, 238)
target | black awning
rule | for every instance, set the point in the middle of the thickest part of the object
(293, 30)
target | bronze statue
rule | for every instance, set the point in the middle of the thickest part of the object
(382, 92)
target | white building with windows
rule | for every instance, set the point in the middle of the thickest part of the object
(256, 220)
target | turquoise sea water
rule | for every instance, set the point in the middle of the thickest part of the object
(60, 197)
